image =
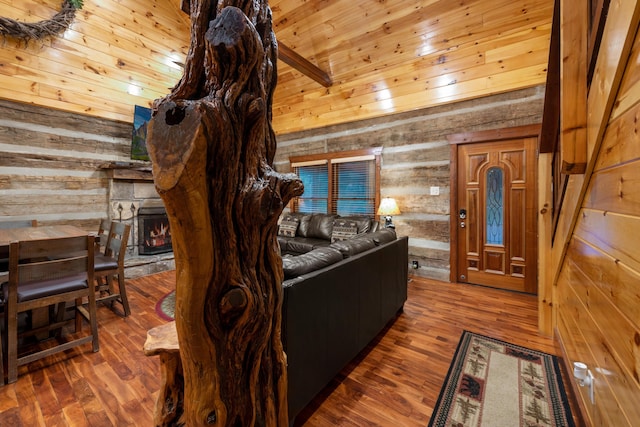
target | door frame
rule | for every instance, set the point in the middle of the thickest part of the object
(527, 131)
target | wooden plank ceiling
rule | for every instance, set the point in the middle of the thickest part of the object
(383, 56)
(393, 55)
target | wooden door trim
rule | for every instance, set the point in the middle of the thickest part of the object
(491, 135)
(456, 139)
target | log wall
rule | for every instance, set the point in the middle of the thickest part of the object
(52, 170)
(50, 164)
(416, 157)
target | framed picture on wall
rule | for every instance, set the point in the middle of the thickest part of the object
(141, 117)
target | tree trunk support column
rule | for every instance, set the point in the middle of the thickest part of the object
(212, 148)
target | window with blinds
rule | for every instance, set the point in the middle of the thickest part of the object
(341, 183)
(354, 187)
(315, 178)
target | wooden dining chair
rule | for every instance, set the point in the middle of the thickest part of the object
(46, 273)
(103, 235)
(110, 266)
(4, 272)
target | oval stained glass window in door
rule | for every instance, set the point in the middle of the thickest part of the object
(495, 207)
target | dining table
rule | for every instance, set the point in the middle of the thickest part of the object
(8, 235)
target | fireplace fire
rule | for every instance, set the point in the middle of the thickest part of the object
(154, 235)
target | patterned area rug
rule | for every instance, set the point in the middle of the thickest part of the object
(166, 306)
(494, 383)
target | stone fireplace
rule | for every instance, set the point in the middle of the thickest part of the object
(133, 199)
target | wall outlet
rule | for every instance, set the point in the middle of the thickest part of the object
(414, 265)
(434, 191)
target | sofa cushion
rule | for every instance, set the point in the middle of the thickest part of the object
(343, 229)
(320, 226)
(383, 235)
(363, 223)
(302, 245)
(288, 226)
(283, 242)
(353, 246)
(316, 259)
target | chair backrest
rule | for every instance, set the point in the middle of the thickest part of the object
(117, 241)
(19, 223)
(103, 235)
(50, 259)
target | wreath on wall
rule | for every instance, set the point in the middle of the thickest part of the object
(40, 30)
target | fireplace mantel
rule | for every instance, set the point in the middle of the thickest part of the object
(129, 171)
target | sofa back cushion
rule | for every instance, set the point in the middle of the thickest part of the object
(294, 266)
(320, 226)
(343, 229)
(303, 225)
(363, 223)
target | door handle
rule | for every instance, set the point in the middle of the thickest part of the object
(462, 224)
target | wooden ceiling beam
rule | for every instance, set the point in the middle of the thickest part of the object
(293, 59)
(288, 56)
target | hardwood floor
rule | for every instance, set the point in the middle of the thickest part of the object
(394, 382)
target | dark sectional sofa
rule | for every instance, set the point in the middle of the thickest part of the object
(310, 231)
(338, 296)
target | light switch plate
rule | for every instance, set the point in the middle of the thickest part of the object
(435, 191)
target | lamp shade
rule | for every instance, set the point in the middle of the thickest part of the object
(388, 206)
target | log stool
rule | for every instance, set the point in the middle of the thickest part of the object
(163, 341)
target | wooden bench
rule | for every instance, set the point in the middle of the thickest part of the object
(163, 341)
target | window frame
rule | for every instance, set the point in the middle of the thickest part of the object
(339, 157)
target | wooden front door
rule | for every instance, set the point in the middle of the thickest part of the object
(496, 214)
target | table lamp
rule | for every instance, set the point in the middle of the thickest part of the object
(388, 207)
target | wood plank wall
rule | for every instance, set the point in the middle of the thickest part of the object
(115, 55)
(598, 289)
(415, 157)
(50, 164)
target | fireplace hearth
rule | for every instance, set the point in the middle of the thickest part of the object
(154, 234)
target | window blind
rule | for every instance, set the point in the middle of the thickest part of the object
(315, 178)
(354, 188)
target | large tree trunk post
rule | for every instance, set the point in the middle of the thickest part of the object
(212, 148)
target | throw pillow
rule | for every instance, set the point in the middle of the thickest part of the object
(288, 226)
(343, 230)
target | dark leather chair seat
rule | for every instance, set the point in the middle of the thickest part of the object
(103, 262)
(44, 288)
